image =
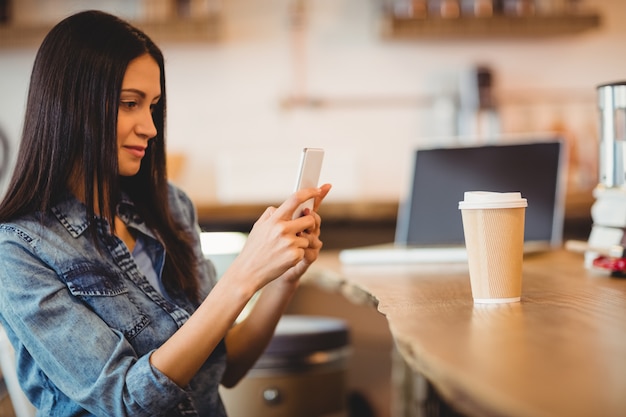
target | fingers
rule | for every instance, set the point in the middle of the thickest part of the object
(290, 205)
(313, 236)
(304, 228)
(267, 213)
(277, 244)
(317, 220)
(325, 189)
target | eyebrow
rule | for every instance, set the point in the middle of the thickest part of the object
(138, 92)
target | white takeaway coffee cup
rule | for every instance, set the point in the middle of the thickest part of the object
(493, 225)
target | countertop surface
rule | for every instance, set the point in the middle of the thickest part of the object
(561, 351)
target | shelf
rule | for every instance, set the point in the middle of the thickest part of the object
(488, 27)
(206, 29)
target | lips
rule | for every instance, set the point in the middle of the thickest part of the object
(136, 151)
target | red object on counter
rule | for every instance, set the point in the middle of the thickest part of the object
(612, 264)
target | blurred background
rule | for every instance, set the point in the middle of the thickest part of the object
(252, 82)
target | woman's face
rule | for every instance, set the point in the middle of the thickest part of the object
(141, 90)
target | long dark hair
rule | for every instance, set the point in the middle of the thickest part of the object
(71, 125)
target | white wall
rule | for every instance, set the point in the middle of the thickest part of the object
(242, 146)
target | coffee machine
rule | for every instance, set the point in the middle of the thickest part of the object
(607, 241)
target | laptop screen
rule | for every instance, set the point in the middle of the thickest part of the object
(430, 214)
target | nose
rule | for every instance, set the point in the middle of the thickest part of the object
(145, 126)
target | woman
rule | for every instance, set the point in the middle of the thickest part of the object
(105, 293)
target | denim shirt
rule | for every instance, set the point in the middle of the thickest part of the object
(85, 321)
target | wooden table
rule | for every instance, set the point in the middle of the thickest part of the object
(560, 352)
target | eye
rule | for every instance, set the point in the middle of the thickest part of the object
(129, 104)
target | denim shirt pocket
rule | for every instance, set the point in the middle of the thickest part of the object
(105, 292)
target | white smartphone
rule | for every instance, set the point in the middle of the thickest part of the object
(308, 175)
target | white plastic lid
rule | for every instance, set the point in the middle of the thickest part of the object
(488, 199)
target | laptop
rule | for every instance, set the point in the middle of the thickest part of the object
(429, 228)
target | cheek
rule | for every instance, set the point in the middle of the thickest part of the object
(124, 128)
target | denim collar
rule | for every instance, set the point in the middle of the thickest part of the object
(72, 214)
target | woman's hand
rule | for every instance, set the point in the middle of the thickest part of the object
(313, 235)
(277, 244)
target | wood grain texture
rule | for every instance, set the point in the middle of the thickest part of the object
(561, 351)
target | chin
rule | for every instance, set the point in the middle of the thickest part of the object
(129, 170)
